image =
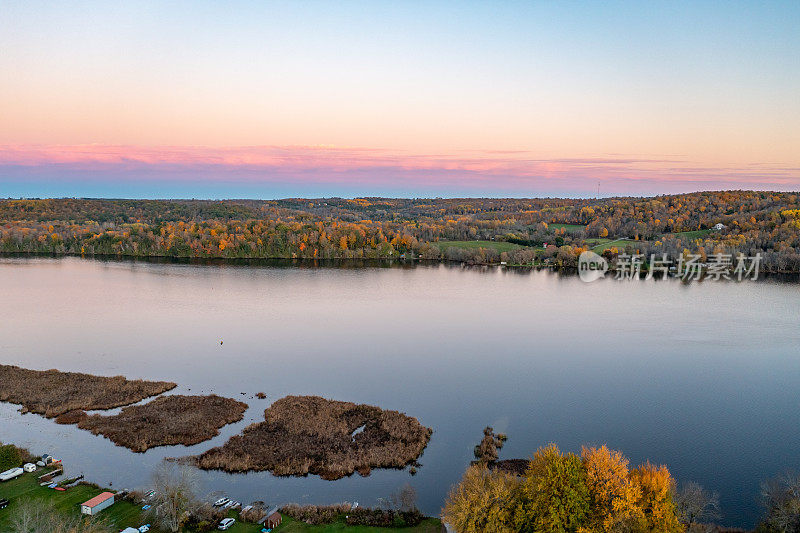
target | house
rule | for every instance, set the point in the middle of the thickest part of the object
(98, 503)
(274, 519)
(46, 460)
(719, 226)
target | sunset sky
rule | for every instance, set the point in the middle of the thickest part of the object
(266, 99)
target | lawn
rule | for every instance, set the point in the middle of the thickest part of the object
(690, 235)
(125, 514)
(571, 228)
(619, 243)
(597, 241)
(122, 514)
(601, 245)
(431, 525)
(500, 246)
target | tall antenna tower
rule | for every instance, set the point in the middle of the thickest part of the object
(598, 190)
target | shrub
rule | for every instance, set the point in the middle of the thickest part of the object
(384, 518)
(10, 457)
(315, 514)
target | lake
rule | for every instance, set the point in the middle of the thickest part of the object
(703, 377)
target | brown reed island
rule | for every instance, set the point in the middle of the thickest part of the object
(52, 393)
(304, 435)
(167, 420)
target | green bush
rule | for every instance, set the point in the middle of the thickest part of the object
(10, 457)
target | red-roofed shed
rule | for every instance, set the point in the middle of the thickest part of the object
(98, 503)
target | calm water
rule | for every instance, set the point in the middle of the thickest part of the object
(703, 378)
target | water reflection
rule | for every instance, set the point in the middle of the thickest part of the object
(700, 376)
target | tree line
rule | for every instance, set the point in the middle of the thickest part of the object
(554, 230)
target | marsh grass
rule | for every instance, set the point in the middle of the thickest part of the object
(312, 435)
(52, 393)
(167, 420)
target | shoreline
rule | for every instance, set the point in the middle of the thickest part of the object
(343, 263)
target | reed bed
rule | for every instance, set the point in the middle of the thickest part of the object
(165, 421)
(52, 393)
(304, 435)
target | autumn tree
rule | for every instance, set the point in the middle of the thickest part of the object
(483, 502)
(553, 496)
(614, 497)
(656, 486)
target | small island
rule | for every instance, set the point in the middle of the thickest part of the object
(304, 435)
(165, 421)
(52, 393)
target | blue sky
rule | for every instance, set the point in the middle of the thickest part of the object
(450, 98)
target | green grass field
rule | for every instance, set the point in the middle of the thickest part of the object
(500, 246)
(125, 514)
(122, 514)
(600, 245)
(691, 235)
(571, 228)
(619, 243)
(597, 241)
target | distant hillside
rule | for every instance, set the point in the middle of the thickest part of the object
(481, 230)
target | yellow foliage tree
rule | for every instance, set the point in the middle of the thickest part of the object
(615, 499)
(656, 486)
(483, 502)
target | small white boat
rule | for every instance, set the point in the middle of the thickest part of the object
(11, 474)
(221, 502)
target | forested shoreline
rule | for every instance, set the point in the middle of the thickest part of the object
(543, 231)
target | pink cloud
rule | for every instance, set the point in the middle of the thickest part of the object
(473, 172)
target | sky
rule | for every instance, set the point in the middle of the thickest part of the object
(265, 99)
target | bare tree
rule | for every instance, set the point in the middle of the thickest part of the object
(29, 516)
(175, 487)
(405, 499)
(37, 516)
(695, 506)
(781, 498)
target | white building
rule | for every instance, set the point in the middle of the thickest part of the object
(98, 503)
